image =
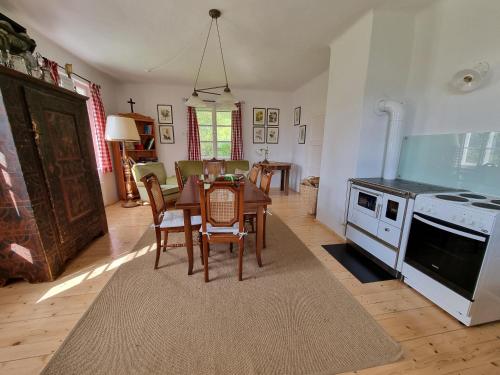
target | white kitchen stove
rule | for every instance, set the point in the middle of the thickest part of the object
(470, 210)
(453, 254)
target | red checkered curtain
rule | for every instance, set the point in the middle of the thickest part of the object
(194, 152)
(54, 70)
(102, 154)
(236, 134)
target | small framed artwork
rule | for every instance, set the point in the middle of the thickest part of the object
(259, 116)
(273, 117)
(167, 134)
(302, 134)
(272, 135)
(259, 135)
(296, 116)
(165, 115)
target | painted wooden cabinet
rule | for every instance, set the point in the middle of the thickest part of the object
(50, 199)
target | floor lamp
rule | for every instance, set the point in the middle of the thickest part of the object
(123, 129)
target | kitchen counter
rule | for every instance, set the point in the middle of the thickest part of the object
(404, 188)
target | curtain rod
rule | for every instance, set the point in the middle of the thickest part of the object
(210, 101)
(75, 74)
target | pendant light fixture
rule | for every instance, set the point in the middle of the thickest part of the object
(225, 100)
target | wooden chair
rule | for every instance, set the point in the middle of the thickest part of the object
(214, 167)
(265, 186)
(178, 176)
(171, 221)
(222, 218)
(253, 175)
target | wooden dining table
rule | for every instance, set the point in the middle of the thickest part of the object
(189, 202)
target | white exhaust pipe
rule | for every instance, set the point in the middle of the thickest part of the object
(395, 137)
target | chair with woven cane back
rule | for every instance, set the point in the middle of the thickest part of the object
(214, 167)
(265, 186)
(222, 221)
(166, 221)
(253, 175)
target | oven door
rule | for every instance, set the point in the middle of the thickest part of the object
(393, 210)
(448, 253)
(366, 201)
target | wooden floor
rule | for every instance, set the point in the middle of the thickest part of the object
(35, 318)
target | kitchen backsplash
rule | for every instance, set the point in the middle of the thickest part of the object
(466, 161)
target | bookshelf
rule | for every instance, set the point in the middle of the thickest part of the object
(142, 151)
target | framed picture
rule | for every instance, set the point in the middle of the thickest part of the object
(296, 116)
(259, 116)
(273, 117)
(272, 135)
(167, 134)
(165, 115)
(302, 134)
(259, 134)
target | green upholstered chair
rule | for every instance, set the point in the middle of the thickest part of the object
(168, 185)
(232, 165)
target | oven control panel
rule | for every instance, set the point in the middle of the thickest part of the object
(455, 213)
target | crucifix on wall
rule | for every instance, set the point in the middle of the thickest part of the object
(131, 102)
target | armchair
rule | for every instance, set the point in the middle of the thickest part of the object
(169, 187)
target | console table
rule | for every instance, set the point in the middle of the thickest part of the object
(285, 172)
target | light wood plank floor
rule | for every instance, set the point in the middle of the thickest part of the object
(35, 318)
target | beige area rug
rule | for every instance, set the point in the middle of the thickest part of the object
(290, 317)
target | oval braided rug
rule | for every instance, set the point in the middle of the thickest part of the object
(290, 317)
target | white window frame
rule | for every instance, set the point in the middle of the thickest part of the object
(214, 126)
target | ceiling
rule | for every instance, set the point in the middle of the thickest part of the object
(268, 44)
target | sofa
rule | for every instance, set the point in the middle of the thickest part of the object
(186, 168)
(168, 185)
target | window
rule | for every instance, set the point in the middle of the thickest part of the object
(215, 133)
(83, 88)
(481, 149)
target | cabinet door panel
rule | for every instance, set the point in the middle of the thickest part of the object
(65, 149)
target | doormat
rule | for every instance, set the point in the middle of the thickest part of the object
(364, 269)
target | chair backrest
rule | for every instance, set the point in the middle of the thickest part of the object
(155, 195)
(222, 204)
(178, 176)
(254, 174)
(214, 166)
(265, 181)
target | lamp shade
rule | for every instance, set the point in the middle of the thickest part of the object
(120, 128)
(195, 101)
(226, 97)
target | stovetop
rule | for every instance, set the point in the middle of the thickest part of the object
(471, 200)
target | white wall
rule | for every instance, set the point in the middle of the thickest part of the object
(108, 87)
(306, 158)
(451, 35)
(147, 96)
(344, 114)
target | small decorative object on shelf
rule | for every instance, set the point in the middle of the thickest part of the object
(265, 152)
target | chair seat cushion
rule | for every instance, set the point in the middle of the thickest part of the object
(211, 229)
(175, 219)
(168, 189)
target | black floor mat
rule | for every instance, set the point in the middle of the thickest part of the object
(356, 263)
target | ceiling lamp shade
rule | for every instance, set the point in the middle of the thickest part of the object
(470, 79)
(226, 99)
(226, 107)
(195, 101)
(121, 129)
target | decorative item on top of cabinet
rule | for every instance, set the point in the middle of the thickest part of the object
(139, 152)
(50, 196)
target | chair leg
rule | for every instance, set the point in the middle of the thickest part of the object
(241, 246)
(205, 257)
(165, 240)
(158, 247)
(264, 244)
(200, 241)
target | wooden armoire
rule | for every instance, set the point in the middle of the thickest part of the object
(50, 199)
